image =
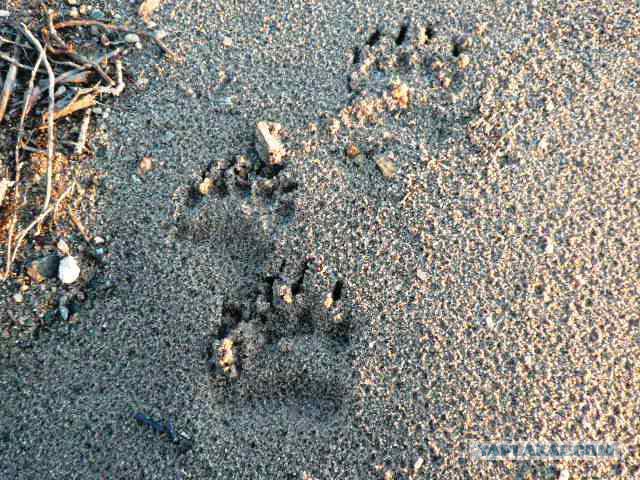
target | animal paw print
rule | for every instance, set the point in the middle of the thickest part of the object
(409, 49)
(285, 347)
(253, 190)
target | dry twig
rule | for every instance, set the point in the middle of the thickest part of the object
(9, 82)
(18, 166)
(82, 135)
(50, 116)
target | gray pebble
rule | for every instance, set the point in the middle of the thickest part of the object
(97, 15)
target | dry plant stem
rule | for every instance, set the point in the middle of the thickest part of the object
(82, 136)
(79, 225)
(18, 164)
(50, 117)
(13, 61)
(9, 83)
(75, 56)
(80, 75)
(119, 88)
(22, 45)
(118, 28)
(38, 221)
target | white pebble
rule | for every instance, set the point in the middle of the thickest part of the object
(131, 38)
(564, 475)
(69, 271)
(18, 298)
(4, 13)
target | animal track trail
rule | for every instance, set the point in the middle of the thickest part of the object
(281, 345)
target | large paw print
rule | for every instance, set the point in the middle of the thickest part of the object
(285, 346)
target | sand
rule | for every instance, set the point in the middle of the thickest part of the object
(471, 274)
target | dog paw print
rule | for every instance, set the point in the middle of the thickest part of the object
(409, 49)
(285, 345)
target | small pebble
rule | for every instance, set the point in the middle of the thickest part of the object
(205, 186)
(72, 2)
(400, 94)
(97, 15)
(18, 297)
(146, 164)
(386, 166)
(64, 312)
(4, 13)
(84, 9)
(564, 475)
(73, 13)
(352, 151)
(68, 271)
(98, 240)
(463, 61)
(61, 90)
(131, 38)
(227, 42)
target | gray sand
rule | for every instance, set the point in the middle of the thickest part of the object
(487, 290)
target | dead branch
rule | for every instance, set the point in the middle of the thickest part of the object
(75, 56)
(78, 76)
(18, 163)
(119, 88)
(86, 101)
(50, 117)
(13, 61)
(9, 82)
(82, 135)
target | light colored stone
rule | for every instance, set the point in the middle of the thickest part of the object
(69, 270)
(386, 166)
(463, 61)
(145, 166)
(18, 298)
(268, 144)
(131, 38)
(204, 187)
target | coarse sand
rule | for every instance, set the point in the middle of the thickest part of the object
(448, 252)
